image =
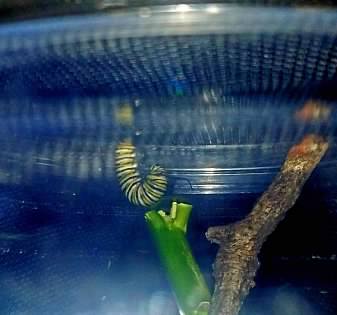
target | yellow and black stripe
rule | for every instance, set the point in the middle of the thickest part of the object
(140, 192)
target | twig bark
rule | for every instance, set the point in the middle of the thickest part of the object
(237, 259)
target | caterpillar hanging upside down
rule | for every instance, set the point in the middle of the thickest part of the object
(141, 192)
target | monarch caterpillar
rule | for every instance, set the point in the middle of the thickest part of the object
(141, 192)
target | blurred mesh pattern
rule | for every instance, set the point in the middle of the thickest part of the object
(237, 74)
(74, 140)
(242, 51)
(209, 94)
(171, 65)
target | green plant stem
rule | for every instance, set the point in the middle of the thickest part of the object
(187, 282)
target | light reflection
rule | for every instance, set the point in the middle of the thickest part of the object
(213, 9)
(145, 12)
(183, 8)
(211, 170)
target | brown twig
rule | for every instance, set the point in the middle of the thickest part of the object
(240, 243)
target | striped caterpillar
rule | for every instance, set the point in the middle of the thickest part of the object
(141, 192)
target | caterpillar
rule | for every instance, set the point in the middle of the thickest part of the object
(141, 192)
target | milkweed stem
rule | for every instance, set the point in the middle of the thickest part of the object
(187, 282)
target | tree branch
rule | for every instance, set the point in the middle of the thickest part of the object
(237, 262)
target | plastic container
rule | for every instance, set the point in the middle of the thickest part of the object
(209, 92)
